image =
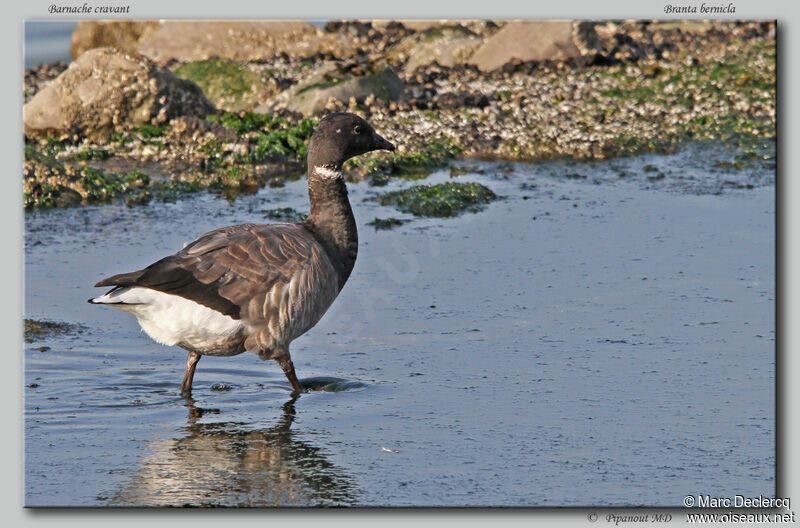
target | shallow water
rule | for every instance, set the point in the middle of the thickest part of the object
(597, 340)
(47, 41)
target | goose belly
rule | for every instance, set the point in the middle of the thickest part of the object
(173, 320)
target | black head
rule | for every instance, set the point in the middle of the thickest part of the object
(341, 136)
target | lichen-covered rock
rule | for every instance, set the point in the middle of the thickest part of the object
(107, 90)
(122, 34)
(228, 85)
(445, 45)
(331, 82)
(534, 41)
(188, 41)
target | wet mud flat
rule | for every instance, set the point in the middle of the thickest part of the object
(602, 334)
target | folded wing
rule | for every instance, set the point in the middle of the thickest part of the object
(233, 269)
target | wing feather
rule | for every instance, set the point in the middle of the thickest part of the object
(235, 270)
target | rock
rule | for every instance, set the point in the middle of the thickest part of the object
(186, 130)
(226, 84)
(240, 41)
(106, 90)
(479, 27)
(458, 100)
(67, 197)
(634, 40)
(46, 182)
(447, 46)
(328, 82)
(39, 77)
(534, 41)
(122, 34)
(412, 25)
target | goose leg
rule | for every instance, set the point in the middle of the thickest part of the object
(288, 369)
(191, 363)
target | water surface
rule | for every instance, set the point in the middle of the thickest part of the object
(47, 41)
(602, 335)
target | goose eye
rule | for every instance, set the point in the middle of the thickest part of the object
(358, 129)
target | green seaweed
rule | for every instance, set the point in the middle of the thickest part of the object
(275, 135)
(247, 121)
(386, 223)
(151, 131)
(42, 196)
(53, 146)
(100, 187)
(120, 138)
(290, 142)
(439, 200)
(285, 214)
(97, 186)
(42, 157)
(91, 154)
(415, 165)
(170, 191)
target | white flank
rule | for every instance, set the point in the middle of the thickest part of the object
(170, 319)
(325, 172)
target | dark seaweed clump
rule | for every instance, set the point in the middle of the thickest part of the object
(440, 200)
(385, 223)
(35, 329)
(285, 214)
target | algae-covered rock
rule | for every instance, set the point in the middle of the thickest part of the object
(49, 183)
(46, 182)
(106, 90)
(440, 200)
(330, 82)
(226, 84)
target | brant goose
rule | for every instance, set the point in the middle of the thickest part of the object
(256, 287)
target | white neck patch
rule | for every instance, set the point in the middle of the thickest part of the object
(327, 172)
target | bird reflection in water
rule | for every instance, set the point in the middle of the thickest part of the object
(225, 464)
